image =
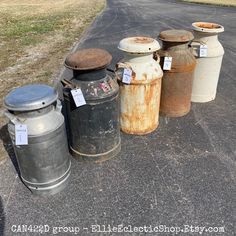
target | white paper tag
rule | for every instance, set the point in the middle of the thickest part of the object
(21, 134)
(203, 51)
(167, 63)
(127, 76)
(78, 97)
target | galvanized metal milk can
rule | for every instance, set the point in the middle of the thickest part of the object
(139, 77)
(178, 64)
(94, 130)
(38, 136)
(209, 54)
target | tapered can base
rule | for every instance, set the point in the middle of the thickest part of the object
(51, 188)
(140, 132)
(97, 158)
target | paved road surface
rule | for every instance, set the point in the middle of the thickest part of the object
(182, 174)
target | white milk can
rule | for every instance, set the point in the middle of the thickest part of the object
(209, 53)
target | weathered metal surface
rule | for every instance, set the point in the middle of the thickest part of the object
(208, 68)
(94, 130)
(88, 59)
(44, 163)
(176, 36)
(138, 45)
(177, 82)
(139, 100)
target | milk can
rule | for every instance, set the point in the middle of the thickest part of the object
(178, 64)
(209, 53)
(94, 131)
(139, 77)
(37, 131)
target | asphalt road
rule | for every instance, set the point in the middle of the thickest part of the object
(182, 174)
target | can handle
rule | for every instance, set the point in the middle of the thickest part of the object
(156, 57)
(123, 65)
(193, 49)
(58, 106)
(11, 117)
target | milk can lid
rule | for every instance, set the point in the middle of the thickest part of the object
(177, 36)
(30, 97)
(139, 45)
(88, 59)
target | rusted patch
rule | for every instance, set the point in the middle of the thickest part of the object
(140, 107)
(144, 76)
(142, 40)
(88, 59)
(207, 25)
(177, 82)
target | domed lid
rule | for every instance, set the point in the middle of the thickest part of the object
(207, 27)
(139, 45)
(30, 97)
(88, 59)
(174, 35)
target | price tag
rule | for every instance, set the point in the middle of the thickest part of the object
(21, 134)
(127, 76)
(203, 51)
(78, 97)
(167, 63)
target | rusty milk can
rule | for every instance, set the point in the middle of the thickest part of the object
(94, 131)
(178, 64)
(140, 88)
(38, 135)
(209, 54)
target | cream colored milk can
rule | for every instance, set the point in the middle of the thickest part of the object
(209, 53)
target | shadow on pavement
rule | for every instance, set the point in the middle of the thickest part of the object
(5, 137)
(2, 218)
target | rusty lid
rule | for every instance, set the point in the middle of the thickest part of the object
(207, 27)
(139, 45)
(88, 59)
(174, 35)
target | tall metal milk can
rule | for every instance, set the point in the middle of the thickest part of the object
(94, 130)
(178, 64)
(139, 77)
(209, 53)
(38, 135)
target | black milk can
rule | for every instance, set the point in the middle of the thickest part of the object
(94, 130)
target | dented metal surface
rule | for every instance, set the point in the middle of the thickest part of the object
(177, 82)
(139, 100)
(94, 131)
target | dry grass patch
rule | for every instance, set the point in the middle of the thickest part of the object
(217, 2)
(34, 38)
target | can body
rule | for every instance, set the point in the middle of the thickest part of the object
(140, 100)
(177, 82)
(208, 68)
(44, 163)
(94, 131)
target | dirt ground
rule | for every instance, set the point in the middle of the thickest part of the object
(35, 36)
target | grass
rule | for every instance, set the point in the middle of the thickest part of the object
(216, 2)
(35, 36)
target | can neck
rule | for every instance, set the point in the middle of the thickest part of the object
(138, 58)
(89, 75)
(205, 37)
(34, 113)
(174, 46)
